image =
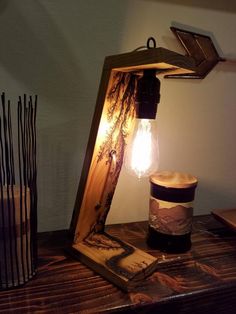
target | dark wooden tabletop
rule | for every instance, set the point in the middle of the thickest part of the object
(200, 281)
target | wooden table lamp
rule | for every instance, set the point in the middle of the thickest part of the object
(117, 261)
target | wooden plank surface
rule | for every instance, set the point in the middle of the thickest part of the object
(116, 260)
(226, 216)
(94, 199)
(200, 281)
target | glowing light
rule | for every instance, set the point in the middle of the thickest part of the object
(142, 157)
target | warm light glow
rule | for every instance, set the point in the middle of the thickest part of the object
(142, 156)
(103, 129)
(106, 126)
(141, 151)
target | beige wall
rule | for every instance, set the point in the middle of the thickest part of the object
(56, 48)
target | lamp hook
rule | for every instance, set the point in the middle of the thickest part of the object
(149, 41)
(148, 45)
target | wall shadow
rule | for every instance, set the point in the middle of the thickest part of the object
(54, 49)
(229, 63)
(221, 5)
(209, 197)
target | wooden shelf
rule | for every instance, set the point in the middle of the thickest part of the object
(200, 281)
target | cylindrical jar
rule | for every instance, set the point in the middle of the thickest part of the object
(171, 211)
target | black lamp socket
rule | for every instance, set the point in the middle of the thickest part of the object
(147, 95)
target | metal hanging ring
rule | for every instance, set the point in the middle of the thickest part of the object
(149, 41)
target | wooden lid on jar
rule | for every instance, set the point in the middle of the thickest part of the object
(173, 179)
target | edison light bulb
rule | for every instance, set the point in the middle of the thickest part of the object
(142, 152)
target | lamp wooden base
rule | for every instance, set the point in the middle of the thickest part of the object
(117, 261)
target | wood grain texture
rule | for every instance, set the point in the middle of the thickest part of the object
(107, 157)
(155, 58)
(19, 225)
(116, 260)
(200, 281)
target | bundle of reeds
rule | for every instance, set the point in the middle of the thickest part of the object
(18, 193)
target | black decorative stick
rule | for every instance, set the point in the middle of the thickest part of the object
(18, 192)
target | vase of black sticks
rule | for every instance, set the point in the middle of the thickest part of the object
(18, 193)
